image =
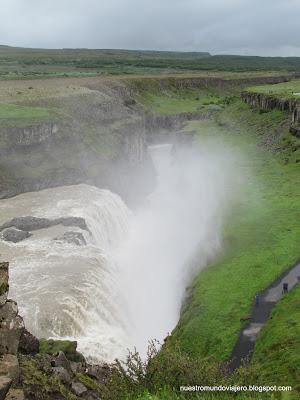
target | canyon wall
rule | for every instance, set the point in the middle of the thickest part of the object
(100, 135)
(268, 102)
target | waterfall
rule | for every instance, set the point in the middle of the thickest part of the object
(126, 285)
(174, 234)
(65, 291)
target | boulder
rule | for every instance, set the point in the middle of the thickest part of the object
(3, 282)
(78, 388)
(99, 372)
(62, 374)
(50, 346)
(28, 344)
(9, 366)
(11, 327)
(77, 367)
(73, 221)
(14, 235)
(62, 361)
(72, 238)
(5, 384)
(27, 223)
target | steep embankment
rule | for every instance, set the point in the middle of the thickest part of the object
(261, 239)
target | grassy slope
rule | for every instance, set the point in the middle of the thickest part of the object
(276, 358)
(261, 240)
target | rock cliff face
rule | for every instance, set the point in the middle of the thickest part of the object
(99, 135)
(30, 135)
(11, 328)
(214, 83)
(267, 102)
(295, 125)
(41, 370)
(99, 139)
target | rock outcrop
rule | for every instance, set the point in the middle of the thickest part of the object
(29, 223)
(269, 102)
(29, 136)
(11, 328)
(32, 369)
(72, 238)
(14, 235)
(20, 228)
(295, 125)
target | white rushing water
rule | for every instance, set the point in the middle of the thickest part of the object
(126, 285)
(64, 290)
(174, 235)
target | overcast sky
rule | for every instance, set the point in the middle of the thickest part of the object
(262, 27)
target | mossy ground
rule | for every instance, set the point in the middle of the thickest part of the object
(50, 346)
(39, 383)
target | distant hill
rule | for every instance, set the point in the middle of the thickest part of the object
(16, 62)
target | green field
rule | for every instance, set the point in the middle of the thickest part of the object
(286, 90)
(173, 105)
(15, 115)
(20, 63)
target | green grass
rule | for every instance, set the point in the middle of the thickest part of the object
(50, 346)
(284, 90)
(18, 116)
(22, 63)
(261, 240)
(168, 394)
(171, 104)
(276, 357)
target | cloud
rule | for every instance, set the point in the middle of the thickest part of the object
(269, 27)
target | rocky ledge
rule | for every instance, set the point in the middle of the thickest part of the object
(32, 369)
(20, 228)
(295, 125)
(268, 102)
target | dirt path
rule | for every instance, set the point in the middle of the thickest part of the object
(260, 313)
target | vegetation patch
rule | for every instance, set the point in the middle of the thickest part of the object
(276, 356)
(68, 347)
(285, 90)
(38, 381)
(21, 116)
